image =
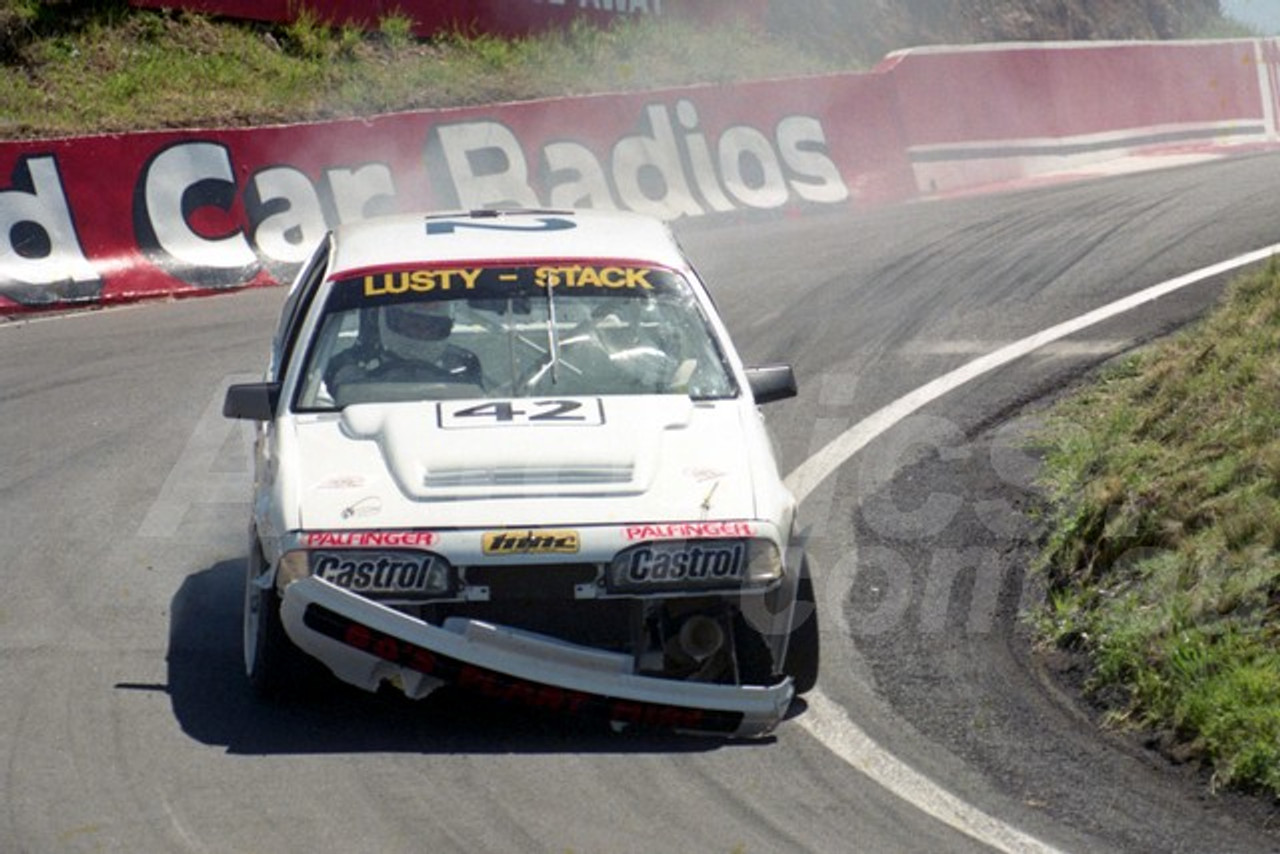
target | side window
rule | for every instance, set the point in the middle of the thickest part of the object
(295, 308)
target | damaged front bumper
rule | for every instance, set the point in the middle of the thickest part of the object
(366, 644)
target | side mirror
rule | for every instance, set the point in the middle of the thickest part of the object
(252, 401)
(775, 382)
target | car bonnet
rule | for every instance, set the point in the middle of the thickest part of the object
(631, 459)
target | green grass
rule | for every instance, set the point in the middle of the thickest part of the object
(70, 67)
(1164, 556)
(82, 66)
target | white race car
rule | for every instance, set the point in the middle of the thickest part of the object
(515, 452)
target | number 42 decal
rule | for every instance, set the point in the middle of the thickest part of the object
(504, 413)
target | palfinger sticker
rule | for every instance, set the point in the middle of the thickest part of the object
(689, 531)
(369, 539)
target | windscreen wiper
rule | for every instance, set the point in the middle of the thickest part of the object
(553, 333)
(552, 353)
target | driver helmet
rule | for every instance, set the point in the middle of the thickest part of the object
(417, 331)
(632, 351)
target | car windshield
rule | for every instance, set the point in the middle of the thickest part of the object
(509, 332)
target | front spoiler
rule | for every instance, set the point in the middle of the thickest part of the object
(365, 644)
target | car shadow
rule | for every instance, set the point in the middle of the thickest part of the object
(214, 704)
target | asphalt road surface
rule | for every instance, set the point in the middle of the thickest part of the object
(126, 725)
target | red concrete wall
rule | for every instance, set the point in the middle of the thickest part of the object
(995, 113)
(1030, 91)
(201, 211)
(189, 212)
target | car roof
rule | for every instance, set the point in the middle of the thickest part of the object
(508, 235)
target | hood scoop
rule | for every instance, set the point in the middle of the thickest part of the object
(578, 473)
(618, 455)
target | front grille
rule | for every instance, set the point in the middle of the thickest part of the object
(600, 623)
(532, 581)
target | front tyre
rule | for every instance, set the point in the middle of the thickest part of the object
(274, 666)
(801, 661)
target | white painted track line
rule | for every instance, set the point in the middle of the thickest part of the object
(829, 722)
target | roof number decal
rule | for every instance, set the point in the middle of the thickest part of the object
(546, 223)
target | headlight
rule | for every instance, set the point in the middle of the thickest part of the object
(764, 562)
(694, 565)
(293, 567)
(382, 575)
